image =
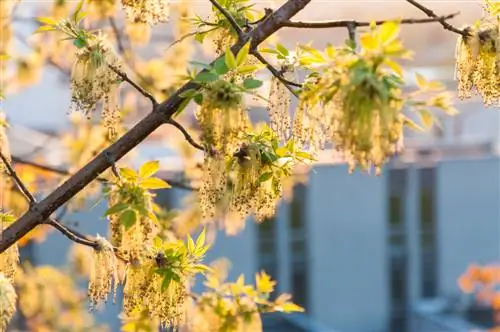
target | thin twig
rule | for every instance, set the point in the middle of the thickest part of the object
(230, 18)
(71, 234)
(276, 73)
(125, 77)
(22, 188)
(346, 23)
(119, 41)
(186, 134)
(441, 20)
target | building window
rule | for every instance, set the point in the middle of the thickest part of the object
(267, 247)
(427, 179)
(397, 241)
(298, 246)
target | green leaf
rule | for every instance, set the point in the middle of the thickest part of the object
(116, 208)
(149, 168)
(188, 93)
(201, 239)
(167, 279)
(282, 152)
(157, 242)
(198, 98)
(421, 81)
(304, 155)
(206, 77)
(154, 183)
(243, 54)
(79, 43)
(201, 64)
(220, 66)
(128, 218)
(128, 173)
(47, 20)
(282, 50)
(265, 177)
(268, 50)
(230, 59)
(251, 83)
(412, 124)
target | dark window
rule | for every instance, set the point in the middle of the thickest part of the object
(267, 248)
(428, 259)
(397, 247)
(298, 246)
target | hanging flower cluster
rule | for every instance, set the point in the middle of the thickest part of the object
(9, 259)
(279, 105)
(133, 222)
(250, 180)
(104, 273)
(478, 59)
(158, 285)
(92, 80)
(8, 299)
(357, 98)
(147, 11)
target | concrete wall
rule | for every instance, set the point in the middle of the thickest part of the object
(468, 217)
(347, 248)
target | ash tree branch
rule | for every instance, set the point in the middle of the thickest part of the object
(19, 183)
(230, 18)
(276, 73)
(136, 86)
(187, 136)
(164, 111)
(71, 234)
(442, 21)
(357, 24)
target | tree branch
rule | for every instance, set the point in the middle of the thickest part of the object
(71, 234)
(356, 24)
(22, 188)
(186, 134)
(276, 73)
(230, 18)
(441, 20)
(43, 209)
(125, 77)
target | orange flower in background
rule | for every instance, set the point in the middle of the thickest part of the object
(466, 284)
(38, 235)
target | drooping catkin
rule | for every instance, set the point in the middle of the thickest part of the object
(8, 299)
(147, 11)
(279, 108)
(104, 274)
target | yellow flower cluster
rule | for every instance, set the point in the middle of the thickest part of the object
(222, 116)
(92, 80)
(478, 62)
(9, 260)
(104, 273)
(279, 108)
(143, 290)
(147, 11)
(8, 299)
(4, 141)
(101, 9)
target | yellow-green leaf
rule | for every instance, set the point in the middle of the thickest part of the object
(291, 307)
(388, 32)
(243, 54)
(44, 28)
(412, 124)
(264, 283)
(421, 81)
(128, 173)
(368, 42)
(154, 183)
(149, 168)
(427, 118)
(396, 67)
(200, 242)
(47, 20)
(230, 59)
